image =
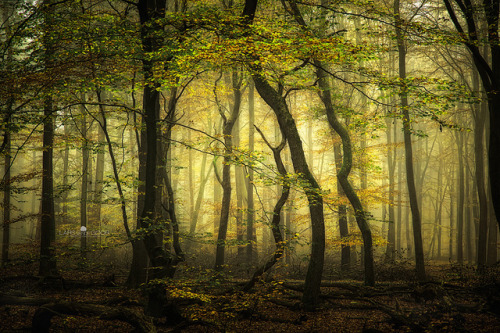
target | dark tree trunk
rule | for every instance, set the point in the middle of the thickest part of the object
(277, 102)
(150, 11)
(6, 196)
(48, 223)
(84, 187)
(480, 120)
(391, 230)
(279, 242)
(490, 78)
(410, 175)
(461, 198)
(287, 125)
(48, 265)
(226, 171)
(345, 254)
(343, 173)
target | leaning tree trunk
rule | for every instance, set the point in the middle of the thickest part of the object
(279, 242)
(489, 72)
(312, 190)
(277, 102)
(343, 173)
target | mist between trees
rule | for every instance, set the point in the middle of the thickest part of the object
(312, 137)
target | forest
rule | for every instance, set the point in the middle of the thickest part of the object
(249, 166)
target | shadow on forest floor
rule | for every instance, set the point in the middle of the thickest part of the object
(93, 299)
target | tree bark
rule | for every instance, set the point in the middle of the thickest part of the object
(48, 265)
(343, 174)
(250, 257)
(6, 195)
(279, 242)
(490, 78)
(461, 198)
(84, 186)
(345, 250)
(287, 125)
(410, 175)
(228, 124)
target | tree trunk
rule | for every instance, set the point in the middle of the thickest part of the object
(391, 162)
(48, 223)
(240, 193)
(461, 198)
(226, 170)
(479, 127)
(6, 196)
(99, 172)
(250, 236)
(286, 122)
(84, 187)
(48, 265)
(150, 12)
(490, 78)
(345, 250)
(343, 174)
(279, 242)
(410, 176)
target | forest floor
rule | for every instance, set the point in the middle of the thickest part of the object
(94, 299)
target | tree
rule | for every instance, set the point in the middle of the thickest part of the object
(227, 130)
(48, 265)
(410, 177)
(476, 16)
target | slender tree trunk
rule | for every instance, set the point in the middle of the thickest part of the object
(276, 219)
(48, 265)
(6, 12)
(468, 205)
(479, 127)
(6, 196)
(345, 250)
(452, 216)
(343, 174)
(391, 162)
(48, 223)
(204, 176)
(250, 235)
(65, 185)
(99, 173)
(226, 171)
(240, 192)
(286, 122)
(461, 199)
(410, 176)
(84, 187)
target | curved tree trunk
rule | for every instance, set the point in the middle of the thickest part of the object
(345, 255)
(275, 223)
(226, 171)
(287, 125)
(277, 102)
(343, 174)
